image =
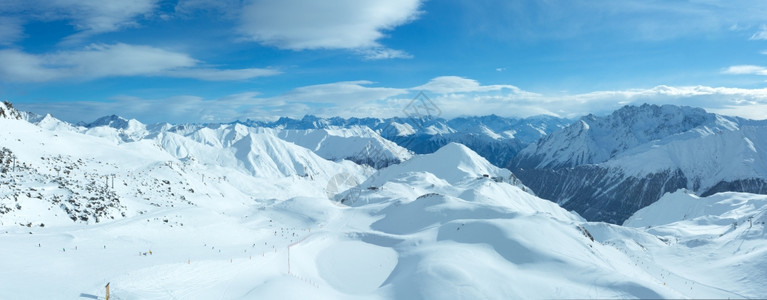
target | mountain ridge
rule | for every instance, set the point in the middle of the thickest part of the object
(608, 167)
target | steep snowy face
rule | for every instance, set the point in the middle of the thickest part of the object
(264, 155)
(597, 139)
(257, 152)
(358, 144)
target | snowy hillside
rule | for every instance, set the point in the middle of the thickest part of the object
(720, 240)
(74, 174)
(606, 168)
(454, 163)
(236, 212)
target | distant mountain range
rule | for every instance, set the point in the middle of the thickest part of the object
(606, 168)
(603, 167)
(497, 139)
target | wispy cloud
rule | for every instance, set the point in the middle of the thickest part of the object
(746, 70)
(226, 7)
(748, 103)
(456, 84)
(340, 93)
(761, 34)
(363, 99)
(383, 53)
(220, 75)
(11, 30)
(652, 20)
(335, 24)
(87, 17)
(736, 101)
(116, 60)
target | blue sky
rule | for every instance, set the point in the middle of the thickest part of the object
(218, 61)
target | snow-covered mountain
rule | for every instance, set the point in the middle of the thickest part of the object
(72, 173)
(454, 163)
(495, 138)
(358, 144)
(367, 140)
(606, 168)
(229, 211)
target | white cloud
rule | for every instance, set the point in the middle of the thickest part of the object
(456, 84)
(746, 70)
(20, 66)
(334, 99)
(101, 60)
(603, 102)
(336, 24)
(738, 27)
(761, 34)
(383, 53)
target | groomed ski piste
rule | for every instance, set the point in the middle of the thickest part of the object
(234, 212)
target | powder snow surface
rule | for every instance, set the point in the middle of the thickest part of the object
(234, 212)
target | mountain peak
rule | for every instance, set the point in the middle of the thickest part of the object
(457, 150)
(113, 121)
(596, 139)
(453, 163)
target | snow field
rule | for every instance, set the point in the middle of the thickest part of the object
(231, 212)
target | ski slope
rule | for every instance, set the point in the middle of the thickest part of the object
(232, 212)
